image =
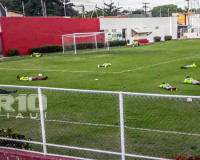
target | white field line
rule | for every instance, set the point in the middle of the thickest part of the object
(54, 70)
(108, 125)
(159, 64)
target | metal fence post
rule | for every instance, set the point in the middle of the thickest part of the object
(42, 121)
(121, 108)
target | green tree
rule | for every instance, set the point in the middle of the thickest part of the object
(34, 8)
(164, 10)
(138, 11)
(111, 10)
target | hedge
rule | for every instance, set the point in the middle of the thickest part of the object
(168, 38)
(46, 49)
(157, 39)
(11, 133)
(87, 45)
(12, 52)
(117, 43)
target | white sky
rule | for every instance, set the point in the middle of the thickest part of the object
(129, 4)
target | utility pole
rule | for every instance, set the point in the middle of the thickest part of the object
(45, 10)
(160, 13)
(168, 12)
(65, 2)
(23, 8)
(83, 10)
(42, 4)
(117, 9)
(188, 18)
(145, 8)
(103, 7)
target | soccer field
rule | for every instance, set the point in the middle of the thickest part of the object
(139, 69)
(153, 126)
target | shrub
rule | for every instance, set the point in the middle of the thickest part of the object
(10, 133)
(46, 49)
(184, 158)
(86, 45)
(117, 43)
(157, 39)
(168, 38)
(12, 52)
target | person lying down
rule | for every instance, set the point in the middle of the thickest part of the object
(190, 80)
(189, 66)
(167, 86)
(25, 78)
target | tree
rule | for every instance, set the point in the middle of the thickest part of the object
(34, 8)
(111, 10)
(164, 10)
(138, 11)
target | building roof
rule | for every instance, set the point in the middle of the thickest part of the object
(119, 16)
(140, 30)
(14, 14)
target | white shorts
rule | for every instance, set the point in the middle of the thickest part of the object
(30, 78)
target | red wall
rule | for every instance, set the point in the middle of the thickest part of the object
(26, 33)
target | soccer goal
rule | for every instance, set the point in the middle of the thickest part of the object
(80, 41)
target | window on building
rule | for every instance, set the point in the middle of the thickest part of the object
(157, 27)
(114, 30)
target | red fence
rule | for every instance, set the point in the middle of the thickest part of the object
(8, 154)
(26, 33)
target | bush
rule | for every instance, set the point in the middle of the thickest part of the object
(117, 43)
(10, 133)
(12, 52)
(46, 49)
(157, 39)
(86, 45)
(168, 38)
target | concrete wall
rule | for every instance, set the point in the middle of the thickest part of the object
(160, 26)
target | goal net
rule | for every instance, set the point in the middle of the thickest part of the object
(80, 41)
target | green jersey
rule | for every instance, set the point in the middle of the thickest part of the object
(24, 78)
(188, 80)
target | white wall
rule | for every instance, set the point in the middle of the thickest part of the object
(166, 26)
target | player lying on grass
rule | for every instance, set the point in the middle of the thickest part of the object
(6, 92)
(190, 80)
(105, 65)
(25, 78)
(167, 86)
(189, 66)
(37, 55)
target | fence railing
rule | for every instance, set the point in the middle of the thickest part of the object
(100, 124)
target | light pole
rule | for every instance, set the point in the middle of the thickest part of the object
(65, 3)
(188, 14)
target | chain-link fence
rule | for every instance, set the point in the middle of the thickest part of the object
(98, 124)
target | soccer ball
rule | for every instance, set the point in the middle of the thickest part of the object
(189, 100)
(40, 74)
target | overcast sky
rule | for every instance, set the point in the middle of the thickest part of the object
(129, 4)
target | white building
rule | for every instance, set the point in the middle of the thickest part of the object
(141, 28)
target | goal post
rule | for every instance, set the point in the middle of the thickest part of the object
(87, 40)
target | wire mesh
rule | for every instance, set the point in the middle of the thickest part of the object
(85, 120)
(19, 122)
(161, 126)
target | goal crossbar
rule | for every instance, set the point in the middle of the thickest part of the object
(71, 40)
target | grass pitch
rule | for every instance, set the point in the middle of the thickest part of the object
(154, 126)
(139, 69)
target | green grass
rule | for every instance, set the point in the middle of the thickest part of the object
(133, 70)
